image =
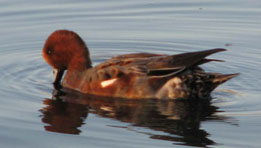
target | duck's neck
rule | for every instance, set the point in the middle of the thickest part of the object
(76, 72)
(80, 63)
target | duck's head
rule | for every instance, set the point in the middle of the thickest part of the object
(64, 50)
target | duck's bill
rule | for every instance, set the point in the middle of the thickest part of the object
(57, 77)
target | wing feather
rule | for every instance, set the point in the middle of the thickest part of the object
(158, 65)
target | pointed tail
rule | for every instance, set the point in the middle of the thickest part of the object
(219, 79)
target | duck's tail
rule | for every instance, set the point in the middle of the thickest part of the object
(203, 85)
(221, 78)
(196, 85)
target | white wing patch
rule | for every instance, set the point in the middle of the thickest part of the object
(108, 82)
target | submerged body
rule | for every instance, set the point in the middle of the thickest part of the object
(140, 75)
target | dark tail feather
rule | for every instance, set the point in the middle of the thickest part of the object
(219, 79)
(203, 61)
(193, 58)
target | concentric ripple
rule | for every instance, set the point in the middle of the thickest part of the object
(23, 70)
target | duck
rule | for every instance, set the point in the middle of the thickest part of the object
(131, 76)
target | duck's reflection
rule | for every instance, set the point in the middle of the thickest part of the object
(63, 117)
(180, 119)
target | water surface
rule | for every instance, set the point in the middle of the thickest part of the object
(34, 115)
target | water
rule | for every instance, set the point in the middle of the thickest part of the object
(31, 116)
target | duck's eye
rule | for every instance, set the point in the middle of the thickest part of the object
(49, 51)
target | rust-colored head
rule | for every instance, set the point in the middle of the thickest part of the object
(65, 49)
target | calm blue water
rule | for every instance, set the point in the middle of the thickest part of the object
(31, 116)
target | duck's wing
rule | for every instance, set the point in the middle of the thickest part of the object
(154, 64)
(186, 60)
(175, 64)
(124, 61)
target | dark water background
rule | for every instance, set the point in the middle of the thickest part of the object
(31, 117)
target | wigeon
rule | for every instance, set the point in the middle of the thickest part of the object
(135, 76)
